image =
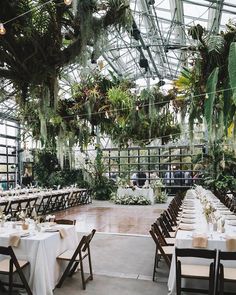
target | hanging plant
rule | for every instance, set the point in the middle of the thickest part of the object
(38, 45)
(210, 85)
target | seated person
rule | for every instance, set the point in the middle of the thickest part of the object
(141, 178)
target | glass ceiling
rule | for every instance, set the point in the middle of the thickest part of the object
(158, 46)
(161, 48)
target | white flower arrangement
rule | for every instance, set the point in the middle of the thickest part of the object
(21, 215)
(161, 198)
(157, 184)
(208, 210)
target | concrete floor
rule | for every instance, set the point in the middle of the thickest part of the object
(122, 250)
(122, 264)
(104, 285)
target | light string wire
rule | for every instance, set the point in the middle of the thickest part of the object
(144, 105)
(164, 136)
(26, 12)
(177, 144)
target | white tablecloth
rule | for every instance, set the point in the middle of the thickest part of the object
(136, 192)
(216, 240)
(41, 251)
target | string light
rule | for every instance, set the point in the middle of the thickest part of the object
(68, 2)
(2, 29)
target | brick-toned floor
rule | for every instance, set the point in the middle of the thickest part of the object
(110, 218)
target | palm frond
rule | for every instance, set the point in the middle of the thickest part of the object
(210, 99)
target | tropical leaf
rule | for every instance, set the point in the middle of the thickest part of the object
(216, 44)
(187, 73)
(227, 98)
(230, 130)
(210, 99)
(232, 69)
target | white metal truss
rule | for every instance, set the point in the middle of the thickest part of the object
(157, 48)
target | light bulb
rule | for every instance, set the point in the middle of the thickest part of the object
(68, 2)
(2, 29)
(100, 64)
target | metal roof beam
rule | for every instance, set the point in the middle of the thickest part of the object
(214, 17)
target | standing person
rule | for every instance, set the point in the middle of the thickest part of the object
(187, 178)
(169, 177)
(179, 176)
(26, 179)
(169, 180)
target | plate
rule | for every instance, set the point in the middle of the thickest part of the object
(188, 208)
(51, 230)
(188, 216)
(189, 211)
(183, 226)
(24, 234)
(230, 217)
(226, 212)
(187, 221)
(232, 222)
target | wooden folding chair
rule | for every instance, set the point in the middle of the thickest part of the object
(226, 273)
(166, 228)
(76, 258)
(165, 241)
(161, 251)
(204, 271)
(3, 206)
(169, 224)
(43, 207)
(10, 266)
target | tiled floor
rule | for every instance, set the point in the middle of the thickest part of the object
(109, 218)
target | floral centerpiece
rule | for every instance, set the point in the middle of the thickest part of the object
(22, 215)
(157, 186)
(208, 210)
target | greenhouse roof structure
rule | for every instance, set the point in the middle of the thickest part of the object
(159, 44)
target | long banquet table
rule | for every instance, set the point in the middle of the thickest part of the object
(216, 240)
(41, 250)
(66, 197)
